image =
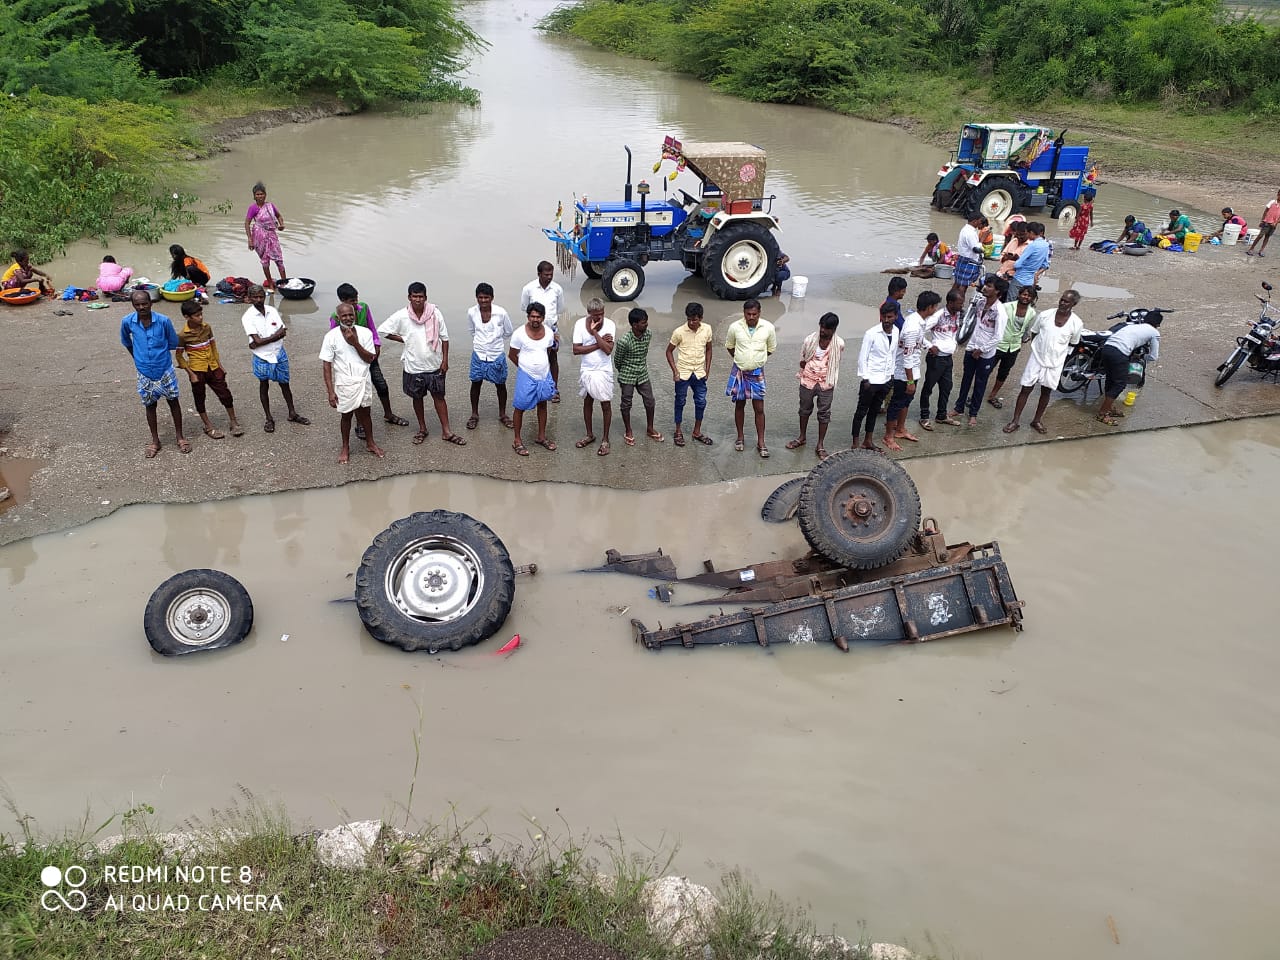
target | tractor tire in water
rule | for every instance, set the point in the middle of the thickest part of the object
(622, 280)
(738, 262)
(594, 269)
(995, 198)
(783, 503)
(1075, 373)
(859, 509)
(1230, 367)
(1065, 213)
(435, 580)
(197, 610)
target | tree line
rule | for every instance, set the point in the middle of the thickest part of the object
(845, 54)
(87, 126)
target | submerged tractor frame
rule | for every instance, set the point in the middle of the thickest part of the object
(725, 234)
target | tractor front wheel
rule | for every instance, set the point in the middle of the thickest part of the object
(995, 199)
(594, 269)
(739, 260)
(622, 280)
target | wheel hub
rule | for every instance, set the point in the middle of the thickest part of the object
(436, 585)
(858, 509)
(198, 617)
(744, 264)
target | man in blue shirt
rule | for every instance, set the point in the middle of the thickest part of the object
(1033, 261)
(150, 339)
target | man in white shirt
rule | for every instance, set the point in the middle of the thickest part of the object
(490, 328)
(593, 339)
(346, 353)
(1117, 353)
(876, 360)
(980, 354)
(420, 327)
(940, 333)
(1054, 333)
(969, 254)
(265, 329)
(906, 369)
(550, 294)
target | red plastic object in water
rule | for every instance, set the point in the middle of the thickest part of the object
(509, 646)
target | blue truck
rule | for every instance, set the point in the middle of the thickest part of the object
(999, 169)
(725, 234)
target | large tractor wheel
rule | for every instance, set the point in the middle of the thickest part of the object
(594, 269)
(197, 610)
(995, 198)
(738, 262)
(435, 580)
(859, 509)
(622, 280)
(1065, 213)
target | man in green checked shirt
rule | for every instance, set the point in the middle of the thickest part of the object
(631, 361)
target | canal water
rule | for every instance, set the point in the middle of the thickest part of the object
(1003, 795)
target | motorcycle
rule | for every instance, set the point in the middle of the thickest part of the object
(1259, 346)
(1085, 365)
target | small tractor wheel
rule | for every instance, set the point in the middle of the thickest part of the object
(1065, 213)
(995, 198)
(622, 280)
(738, 262)
(859, 509)
(594, 269)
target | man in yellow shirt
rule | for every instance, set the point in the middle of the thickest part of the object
(750, 342)
(689, 357)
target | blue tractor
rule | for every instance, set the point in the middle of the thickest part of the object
(999, 169)
(725, 234)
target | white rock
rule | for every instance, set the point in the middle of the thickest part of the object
(679, 909)
(349, 845)
(890, 951)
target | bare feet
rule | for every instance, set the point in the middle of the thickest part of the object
(973, 421)
(869, 446)
(344, 455)
(892, 444)
(903, 435)
(376, 450)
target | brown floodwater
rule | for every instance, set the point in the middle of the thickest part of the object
(1005, 793)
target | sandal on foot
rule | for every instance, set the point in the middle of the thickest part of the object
(507, 422)
(997, 402)
(703, 439)
(951, 422)
(739, 445)
(555, 397)
(822, 453)
(1109, 420)
(213, 433)
(184, 445)
(764, 452)
(419, 437)
(629, 441)
(796, 443)
(927, 425)
(1011, 427)
(603, 450)
(1039, 427)
(585, 442)
(520, 449)
(679, 440)
(547, 444)
(269, 426)
(237, 431)
(455, 439)
(153, 449)
(301, 420)
(395, 420)
(656, 437)
(473, 422)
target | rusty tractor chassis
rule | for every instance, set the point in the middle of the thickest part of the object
(934, 590)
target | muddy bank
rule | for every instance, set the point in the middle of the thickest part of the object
(219, 135)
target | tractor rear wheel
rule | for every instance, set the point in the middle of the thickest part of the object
(594, 268)
(739, 260)
(622, 280)
(995, 198)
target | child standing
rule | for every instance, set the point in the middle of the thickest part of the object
(1083, 219)
(197, 354)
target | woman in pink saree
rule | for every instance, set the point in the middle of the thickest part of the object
(261, 225)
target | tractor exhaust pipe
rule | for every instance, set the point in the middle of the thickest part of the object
(626, 190)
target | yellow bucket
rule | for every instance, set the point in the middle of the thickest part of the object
(1191, 242)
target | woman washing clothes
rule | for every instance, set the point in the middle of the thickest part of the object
(185, 267)
(262, 223)
(111, 276)
(22, 274)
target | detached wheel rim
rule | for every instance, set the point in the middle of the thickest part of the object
(744, 264)
(863, 509)
(1067, 218)
(198, 617)
(436, 579)
(997, 205)
(624, 280)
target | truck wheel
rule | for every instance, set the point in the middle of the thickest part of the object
(782, 504)
(859, 509)
(738, 263)
(197, 610)
(622, 280)
(1065, 213)
(994, 198)
(435, 580)
(594, 269)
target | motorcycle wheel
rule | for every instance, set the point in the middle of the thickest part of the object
(1075, 374)
(1230, 367)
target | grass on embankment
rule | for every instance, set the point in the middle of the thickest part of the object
(424, 897)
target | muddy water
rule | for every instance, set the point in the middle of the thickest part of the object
(1004, 793)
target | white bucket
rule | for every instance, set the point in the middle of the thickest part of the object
(1252, 234)
(1230, 234)
(799, 286)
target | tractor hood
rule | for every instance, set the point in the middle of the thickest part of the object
(738, 169)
